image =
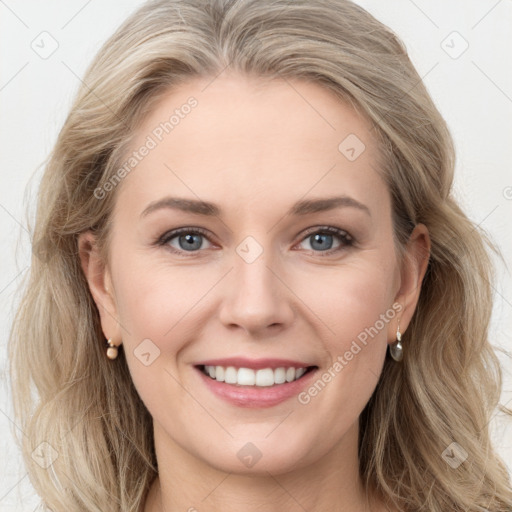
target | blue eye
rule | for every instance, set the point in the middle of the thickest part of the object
(322, 239)
(191, 240)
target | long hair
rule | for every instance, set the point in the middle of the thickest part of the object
(82, 411)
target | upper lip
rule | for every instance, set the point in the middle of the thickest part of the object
(255, 364)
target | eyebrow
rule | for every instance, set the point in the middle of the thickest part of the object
(303, 207)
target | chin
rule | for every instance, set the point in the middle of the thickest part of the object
(255, 455)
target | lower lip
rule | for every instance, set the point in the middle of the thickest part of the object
(255, 396)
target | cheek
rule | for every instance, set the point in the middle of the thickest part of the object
(363, 309)
(155, 305)
(350, 299)
(152, 298)
(364, 295)
(357, 311)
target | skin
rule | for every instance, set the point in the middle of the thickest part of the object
(254, 148)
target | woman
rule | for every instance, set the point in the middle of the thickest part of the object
(249, 205)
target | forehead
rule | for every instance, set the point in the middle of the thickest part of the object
(249, 140)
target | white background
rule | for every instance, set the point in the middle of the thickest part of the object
(472, 91)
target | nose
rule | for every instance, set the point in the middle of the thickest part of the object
(255, 298)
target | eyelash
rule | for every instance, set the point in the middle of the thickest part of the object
(346, 239)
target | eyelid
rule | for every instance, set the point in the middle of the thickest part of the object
(173, 233)
(329, 229)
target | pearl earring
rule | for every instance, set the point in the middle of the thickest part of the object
(395, 349)
(111, 350)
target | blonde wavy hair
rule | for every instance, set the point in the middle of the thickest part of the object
(69, 395)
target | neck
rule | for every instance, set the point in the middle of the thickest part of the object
(331, 484)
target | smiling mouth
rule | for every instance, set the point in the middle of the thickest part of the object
(264, 377)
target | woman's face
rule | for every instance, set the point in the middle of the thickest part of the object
(294, 260)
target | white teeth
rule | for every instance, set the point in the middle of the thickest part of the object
(300, 372)
(279, 376)
(264, 377)
(229, 375)
(219, 373)
(245, 377)
(249, 377)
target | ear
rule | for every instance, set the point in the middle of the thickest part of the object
(100, 284)
(412, 272)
